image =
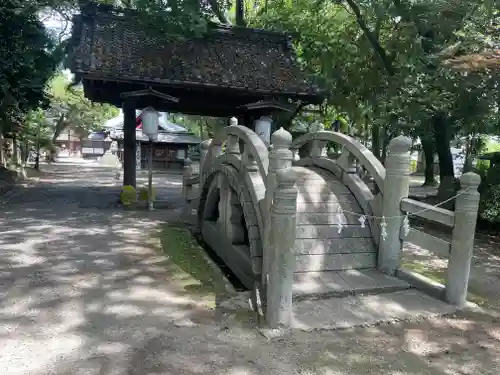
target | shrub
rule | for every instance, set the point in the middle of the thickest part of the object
(413, 166)
(489, 206)
(128, 195)
(481, 168)
(144, 193)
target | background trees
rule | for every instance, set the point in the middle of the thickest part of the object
(29, 58)
(385, 64)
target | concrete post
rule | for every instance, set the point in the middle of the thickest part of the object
(396, 186)
(462, 241)
(281, 250)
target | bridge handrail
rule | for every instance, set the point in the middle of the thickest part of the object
(354, 147)
(253, 144)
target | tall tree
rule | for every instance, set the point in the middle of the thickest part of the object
(385, 59)
(29, 58)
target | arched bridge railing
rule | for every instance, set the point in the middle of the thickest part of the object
(355, 166)
(353, 153)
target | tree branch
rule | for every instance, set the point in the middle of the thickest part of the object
(377, 47)
(214, 5)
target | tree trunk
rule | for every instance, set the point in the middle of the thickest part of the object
(60, 125)
(240, 13)
(385, 144)
(446, 172)
(469, 152)
(15, 154)
(2, 156)
(428, 149)
(376, 140)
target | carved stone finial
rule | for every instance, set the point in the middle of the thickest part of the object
(188, 161)
(281, 138)
(470, 180)
(400, 144)
(233, 121)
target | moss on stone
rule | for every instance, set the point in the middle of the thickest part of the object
(188, 264)
(439, 275)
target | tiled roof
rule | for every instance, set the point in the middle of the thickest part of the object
(115, 46)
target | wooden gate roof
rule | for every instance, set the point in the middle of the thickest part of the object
(113, 53)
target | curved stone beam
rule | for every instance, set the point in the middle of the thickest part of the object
(360, 152)
(253, 182)
(257, 148)
(250, 210)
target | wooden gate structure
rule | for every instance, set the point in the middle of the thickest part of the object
(229, 71)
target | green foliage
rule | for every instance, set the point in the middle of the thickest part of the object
(202, 126)
(165, 18)
(489, 206)
(384, 62)
(29, 58)
(69, 107)
(128, 196)
(144, 194)
(481, 168)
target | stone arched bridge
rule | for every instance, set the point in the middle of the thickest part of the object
(292, 228)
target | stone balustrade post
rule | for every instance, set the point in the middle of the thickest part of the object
(347, 162)
(280, 157)
(281, 249)
(396, 187)
(318, 149)
(462, 241)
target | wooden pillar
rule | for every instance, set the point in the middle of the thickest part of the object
(129, 145)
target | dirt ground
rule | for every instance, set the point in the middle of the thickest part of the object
(88, 288)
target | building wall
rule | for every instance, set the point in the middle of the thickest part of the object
(164, 155)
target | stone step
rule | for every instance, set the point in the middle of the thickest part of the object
(344, 282)
(364, 310)
(306, 206)
(334, 246)
(328, 231)
(334, 262)
(324, 191)
(322, 218)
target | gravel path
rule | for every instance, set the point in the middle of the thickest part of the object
(82, 292)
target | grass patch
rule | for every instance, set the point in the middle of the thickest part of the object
(188, 265)
(439, 276)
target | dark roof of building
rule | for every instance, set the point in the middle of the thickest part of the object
(115, 46)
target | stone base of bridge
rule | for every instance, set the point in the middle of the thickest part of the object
(366, 310)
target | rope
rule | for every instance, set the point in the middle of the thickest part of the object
(341, 211)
